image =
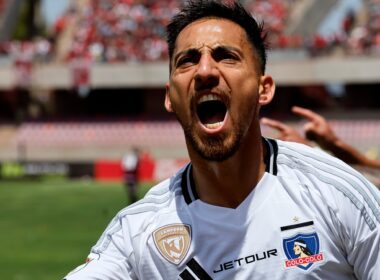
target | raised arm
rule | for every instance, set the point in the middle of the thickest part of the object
(319, 130)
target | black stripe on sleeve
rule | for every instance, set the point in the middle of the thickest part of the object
(198, 270)
(186, 275)
(297, 226)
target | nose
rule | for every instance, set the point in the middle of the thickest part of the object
(207, 74)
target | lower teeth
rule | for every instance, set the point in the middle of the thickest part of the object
(213, 125)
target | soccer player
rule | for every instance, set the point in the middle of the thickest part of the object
(237, 209)
(130, 167)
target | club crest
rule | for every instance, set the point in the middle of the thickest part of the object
(302, 250)
(173, 241)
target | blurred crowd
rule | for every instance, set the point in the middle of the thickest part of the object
(275, 15)
(40, 49)
(134, 30)
(122, 30)
(356, 36)
(365, 38)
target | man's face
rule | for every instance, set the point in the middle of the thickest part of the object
(297, 250)
(214, 86)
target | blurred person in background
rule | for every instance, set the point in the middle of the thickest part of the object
(237, 208)
(130, 167)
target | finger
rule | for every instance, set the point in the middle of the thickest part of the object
(306, 113)
(274, 124)
(309, 126)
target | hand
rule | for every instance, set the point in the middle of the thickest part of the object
(317, 128)
(287, 133)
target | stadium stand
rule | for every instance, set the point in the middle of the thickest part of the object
(163, 138)
(112, 134)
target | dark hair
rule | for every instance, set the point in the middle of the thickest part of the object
(227, 9)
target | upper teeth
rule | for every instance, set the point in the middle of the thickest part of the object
(208, 97)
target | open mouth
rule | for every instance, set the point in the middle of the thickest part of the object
(211, 111)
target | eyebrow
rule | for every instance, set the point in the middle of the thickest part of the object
(193, 51)
(227, 49)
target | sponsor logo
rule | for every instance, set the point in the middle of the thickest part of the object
(236, 263)
(173, 241)
(302, 250)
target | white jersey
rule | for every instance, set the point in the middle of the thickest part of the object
(310, 217)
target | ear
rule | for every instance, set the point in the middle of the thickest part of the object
(266, 89)
(168, 103)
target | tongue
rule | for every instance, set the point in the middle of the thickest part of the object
(211, 112)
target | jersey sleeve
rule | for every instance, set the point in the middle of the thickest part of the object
(365, 257)
(361, 230)
(110, 258)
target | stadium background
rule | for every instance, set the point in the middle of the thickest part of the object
(79, 90)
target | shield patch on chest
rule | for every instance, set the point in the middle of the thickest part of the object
(302, 250)
(173, 241)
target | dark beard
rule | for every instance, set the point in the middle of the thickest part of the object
(214, 148)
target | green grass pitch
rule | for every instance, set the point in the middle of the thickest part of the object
(47, 227)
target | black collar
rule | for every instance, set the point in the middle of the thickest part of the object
(187, 183)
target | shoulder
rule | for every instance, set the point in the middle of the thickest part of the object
(164, 197)
(329, 180)
(299, 156)
(303, 158)
(136, 219)
(314, 166)
(288, 158)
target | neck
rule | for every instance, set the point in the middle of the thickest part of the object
(229, 182)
